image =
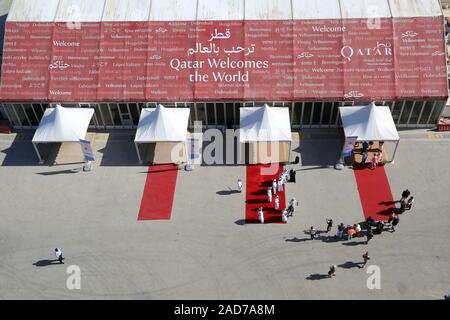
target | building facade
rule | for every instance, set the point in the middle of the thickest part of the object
(214, 57)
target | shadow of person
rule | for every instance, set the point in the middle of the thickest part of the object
(227, 192)
(329, 239)
(353, 243)
(297, 240)
(388, 203)
(349, 265)
(242, 222)
(46, 263)
(317, 276)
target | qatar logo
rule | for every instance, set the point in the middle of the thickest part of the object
(381, 49)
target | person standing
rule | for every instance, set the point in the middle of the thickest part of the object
(280, 185)
(277, 203)
(269, 195)
(366, 258)
(409, 204)
(312, 233)
(341, 229)
(284, 215)
(261, 215)
(364, 157)
(395, 222)
(329, 224)
(292, 175)
(274, 186)
(332, 271)
(59, 256)
(365, 146)
(239, 184)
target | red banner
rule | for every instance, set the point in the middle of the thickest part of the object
(353, 59)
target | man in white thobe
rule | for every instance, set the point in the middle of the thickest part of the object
(277, 203)
(280, 185)
(239, 183)
(274, 186)
(269, 195)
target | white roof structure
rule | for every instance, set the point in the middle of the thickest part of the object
(162, 125)
(369, 123)
(265, 124)
(192, 10)
(63, 125)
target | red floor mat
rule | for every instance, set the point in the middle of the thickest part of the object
(256, 196)
(157, 200)
(375, 193)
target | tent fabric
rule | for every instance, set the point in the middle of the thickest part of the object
(63, 125)
(369, 123)
(162, 124)
(265, 124)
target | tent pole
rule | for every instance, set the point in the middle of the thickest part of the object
(290, 151)
(138, 154)
(38, 154)
(187, 151)
(395, 152)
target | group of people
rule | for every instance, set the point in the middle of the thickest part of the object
(406, 203)
(285, 213)
(349, 232)
(377, 157)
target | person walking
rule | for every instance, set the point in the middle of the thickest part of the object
(59, 256)
(312, 233)
(290, 210)
(239, 184)
(277, 203)
(274, 186)
(366, 258)
(369, 235)
(293, 203)
(332, 271)
(405, 194)
(329, 224)
(269, 195)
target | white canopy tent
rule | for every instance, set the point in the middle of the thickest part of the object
(162, 125)
(369, 123)
(62, 125)
(265, 124)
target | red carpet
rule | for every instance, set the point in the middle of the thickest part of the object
(256, 196)
(375, 193)
(157, 200)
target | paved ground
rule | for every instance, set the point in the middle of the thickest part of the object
(205, 251)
